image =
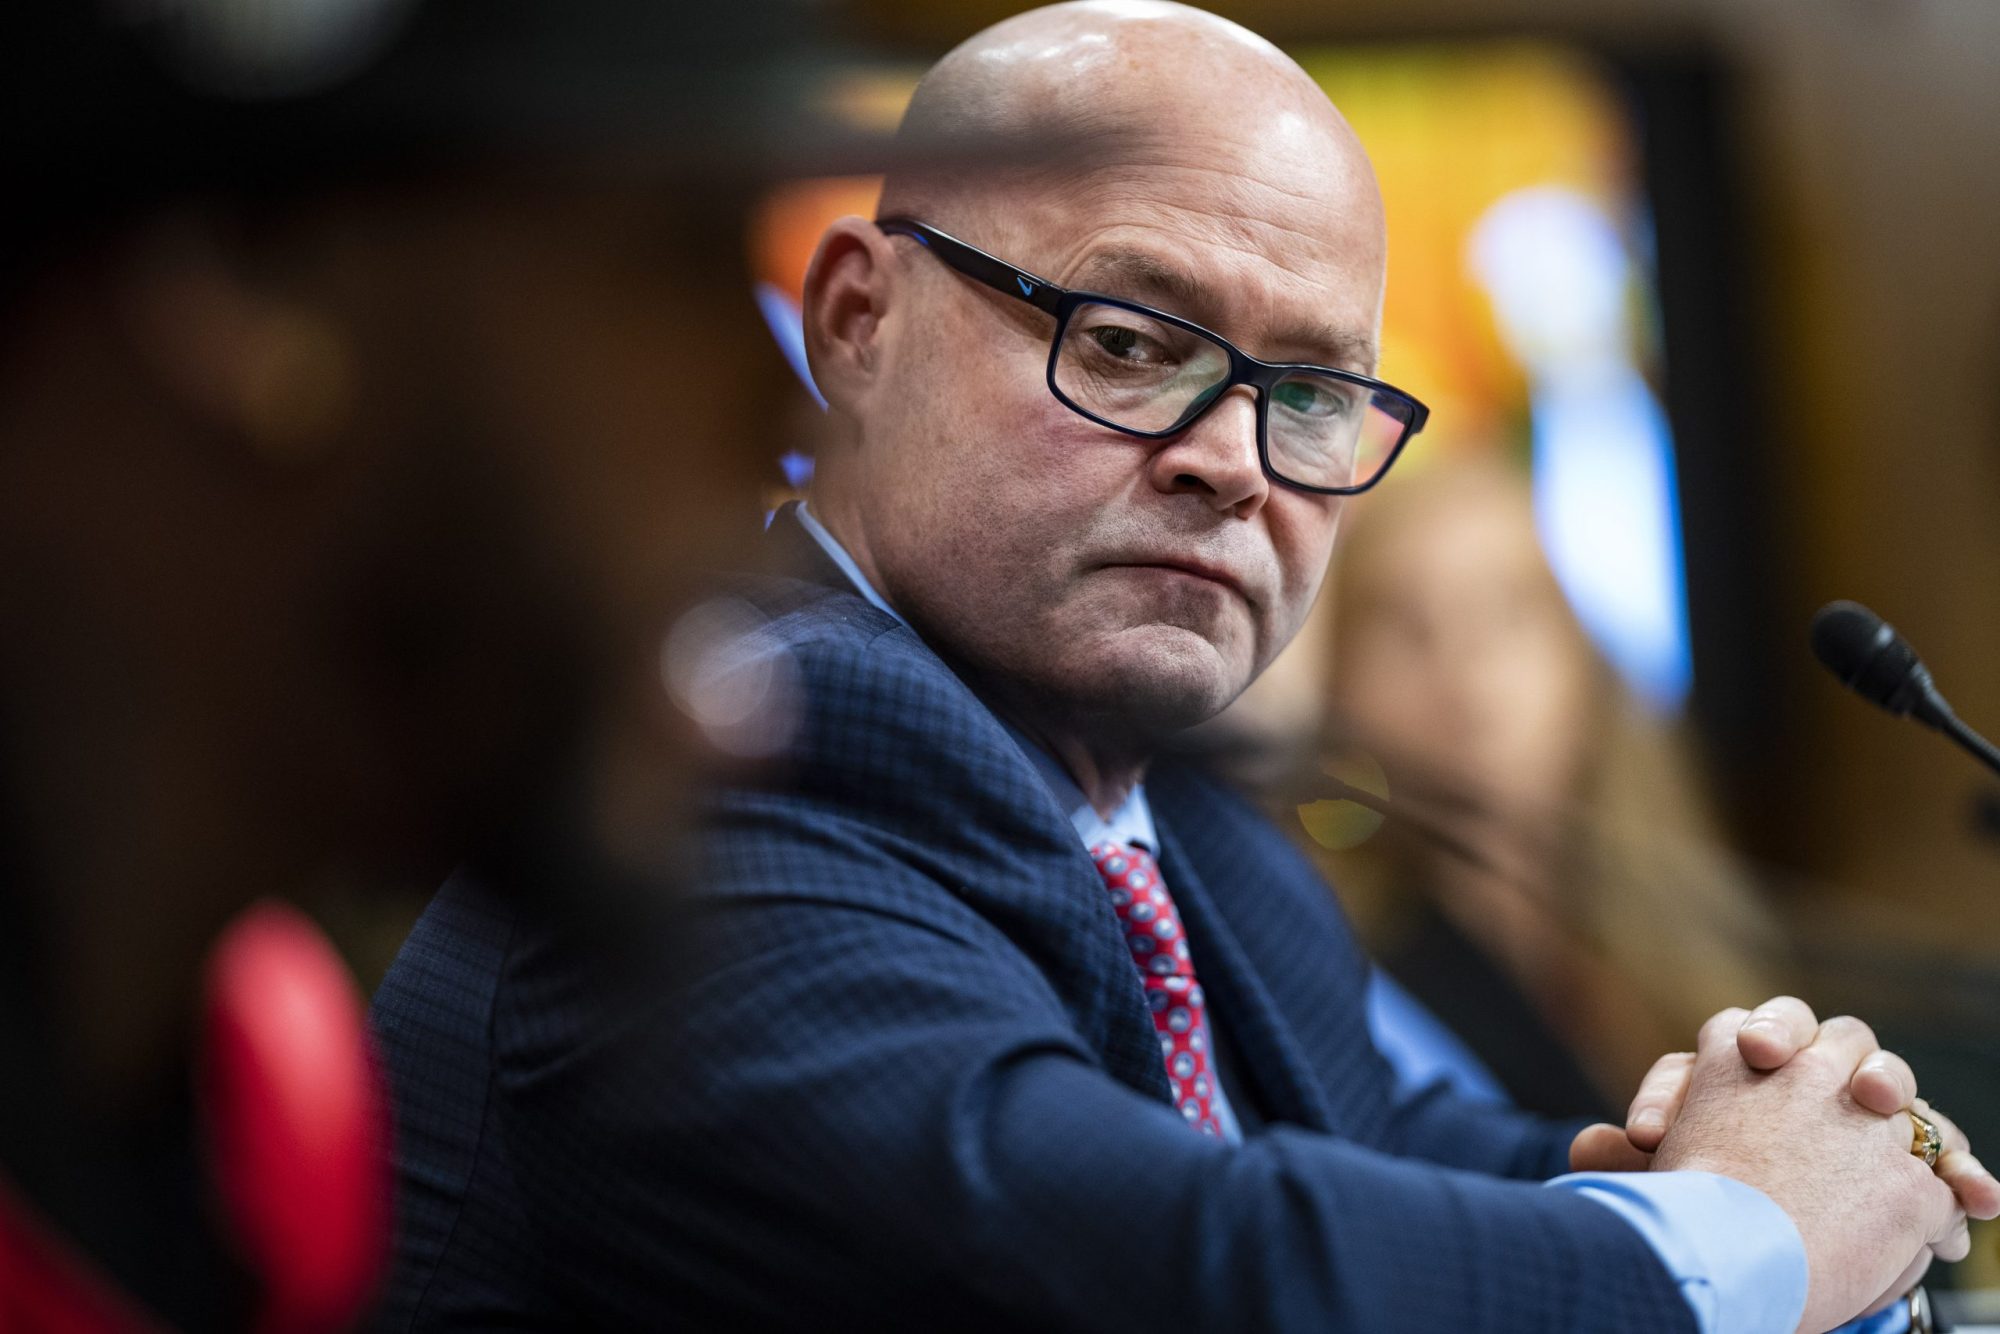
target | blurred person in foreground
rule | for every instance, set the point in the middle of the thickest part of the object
(993, 1022)
(1601, 918)
(378, 382)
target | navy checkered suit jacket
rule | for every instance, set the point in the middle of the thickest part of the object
(907, 1079)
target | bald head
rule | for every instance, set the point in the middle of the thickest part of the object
(1110, 81)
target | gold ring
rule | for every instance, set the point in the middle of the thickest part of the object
(1925, 1141)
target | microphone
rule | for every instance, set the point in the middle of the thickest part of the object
(1879, 665)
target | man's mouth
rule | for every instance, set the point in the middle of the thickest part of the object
(1215, 574)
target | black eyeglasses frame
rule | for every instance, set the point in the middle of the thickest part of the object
(1061, 302)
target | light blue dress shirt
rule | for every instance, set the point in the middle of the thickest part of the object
(1420, 1049)
(1735, 1254)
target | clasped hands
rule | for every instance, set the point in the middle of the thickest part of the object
(1812, 1114)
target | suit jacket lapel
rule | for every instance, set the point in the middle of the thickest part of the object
(1266, 1054)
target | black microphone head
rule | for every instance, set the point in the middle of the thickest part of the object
(1869, 657)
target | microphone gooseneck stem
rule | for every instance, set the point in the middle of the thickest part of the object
(1976, 745)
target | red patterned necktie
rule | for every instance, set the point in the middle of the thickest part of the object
(1160, 950)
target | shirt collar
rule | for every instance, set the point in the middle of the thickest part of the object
(1132, 822)
(838, 555)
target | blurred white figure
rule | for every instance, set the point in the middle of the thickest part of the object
(1605, 495)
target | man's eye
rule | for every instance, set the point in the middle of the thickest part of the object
(1309, 399)
(1126, 344)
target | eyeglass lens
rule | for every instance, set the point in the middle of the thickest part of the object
(1147, 375)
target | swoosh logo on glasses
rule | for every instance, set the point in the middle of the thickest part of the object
(1027, 288)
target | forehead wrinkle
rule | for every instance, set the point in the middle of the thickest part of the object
(1294, 266)
(1241, 202)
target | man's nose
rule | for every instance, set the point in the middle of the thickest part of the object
(1216, 458)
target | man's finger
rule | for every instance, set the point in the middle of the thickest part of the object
(1605, 1148)
(1659, 1099)
(1945, 1232)
(1884, 1083)
(1775, 1032)
(1948, 1130)
(1977, 1190)
(1956, 1243)
(1719, 1033)
(1844, 1042)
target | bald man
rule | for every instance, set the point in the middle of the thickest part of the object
(994, 1019)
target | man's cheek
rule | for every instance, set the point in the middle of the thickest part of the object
(1273, 625)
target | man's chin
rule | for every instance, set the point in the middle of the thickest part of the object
(1157, 680)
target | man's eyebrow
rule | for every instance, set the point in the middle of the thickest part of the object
(1342, 349)
(1139, 275)
(1118, 270)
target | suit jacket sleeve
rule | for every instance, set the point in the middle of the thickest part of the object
(1442, 1127)
(882, 1097)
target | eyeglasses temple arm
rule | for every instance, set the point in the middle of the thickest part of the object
(976, 264)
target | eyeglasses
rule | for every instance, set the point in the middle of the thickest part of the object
(1151, 374)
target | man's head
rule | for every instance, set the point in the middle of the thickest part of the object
(1096, 582)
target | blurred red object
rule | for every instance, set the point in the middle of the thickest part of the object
(297, 1121)
(46, 1289)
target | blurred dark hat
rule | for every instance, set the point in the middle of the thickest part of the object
(132, 94)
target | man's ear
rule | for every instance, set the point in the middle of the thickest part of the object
(845, 299)
(251, 365)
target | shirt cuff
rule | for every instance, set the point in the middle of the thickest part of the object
(1736, 1255)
